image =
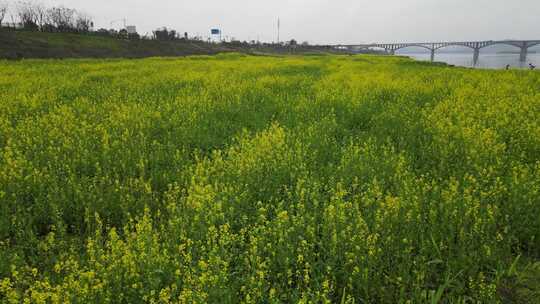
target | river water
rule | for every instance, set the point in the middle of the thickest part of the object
(486, 61)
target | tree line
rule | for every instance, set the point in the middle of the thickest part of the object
(35, 16)
(32, 15)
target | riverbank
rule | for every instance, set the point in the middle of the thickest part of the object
(26, 44)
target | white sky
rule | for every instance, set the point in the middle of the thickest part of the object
(326, 21)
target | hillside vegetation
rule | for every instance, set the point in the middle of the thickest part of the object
(28, 44)
(240, 179)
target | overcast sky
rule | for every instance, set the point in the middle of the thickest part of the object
(326, 21)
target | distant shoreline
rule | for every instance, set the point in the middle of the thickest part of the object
(512, 52)
(490, 61)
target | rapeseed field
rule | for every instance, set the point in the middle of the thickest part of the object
(250, 179)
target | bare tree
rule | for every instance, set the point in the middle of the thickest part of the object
(62, 18)
(34, 15)
(40, 12)
(3, 11)
(27, 14)
(83, 23)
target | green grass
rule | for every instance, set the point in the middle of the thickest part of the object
(233, 178)
(27, 44)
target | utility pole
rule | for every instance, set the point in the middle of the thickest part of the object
(278, 28)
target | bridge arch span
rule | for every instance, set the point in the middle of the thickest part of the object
(534, 44)
(412, 45)
(502, 42)
(454, 44)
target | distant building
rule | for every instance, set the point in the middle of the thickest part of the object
(131, 29)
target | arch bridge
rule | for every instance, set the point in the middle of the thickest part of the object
(391, 48)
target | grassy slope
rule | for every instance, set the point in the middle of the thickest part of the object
(237, 178)
(22, 44)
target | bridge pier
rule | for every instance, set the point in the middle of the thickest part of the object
(523, 53)
(432, 55)
(476, 55)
